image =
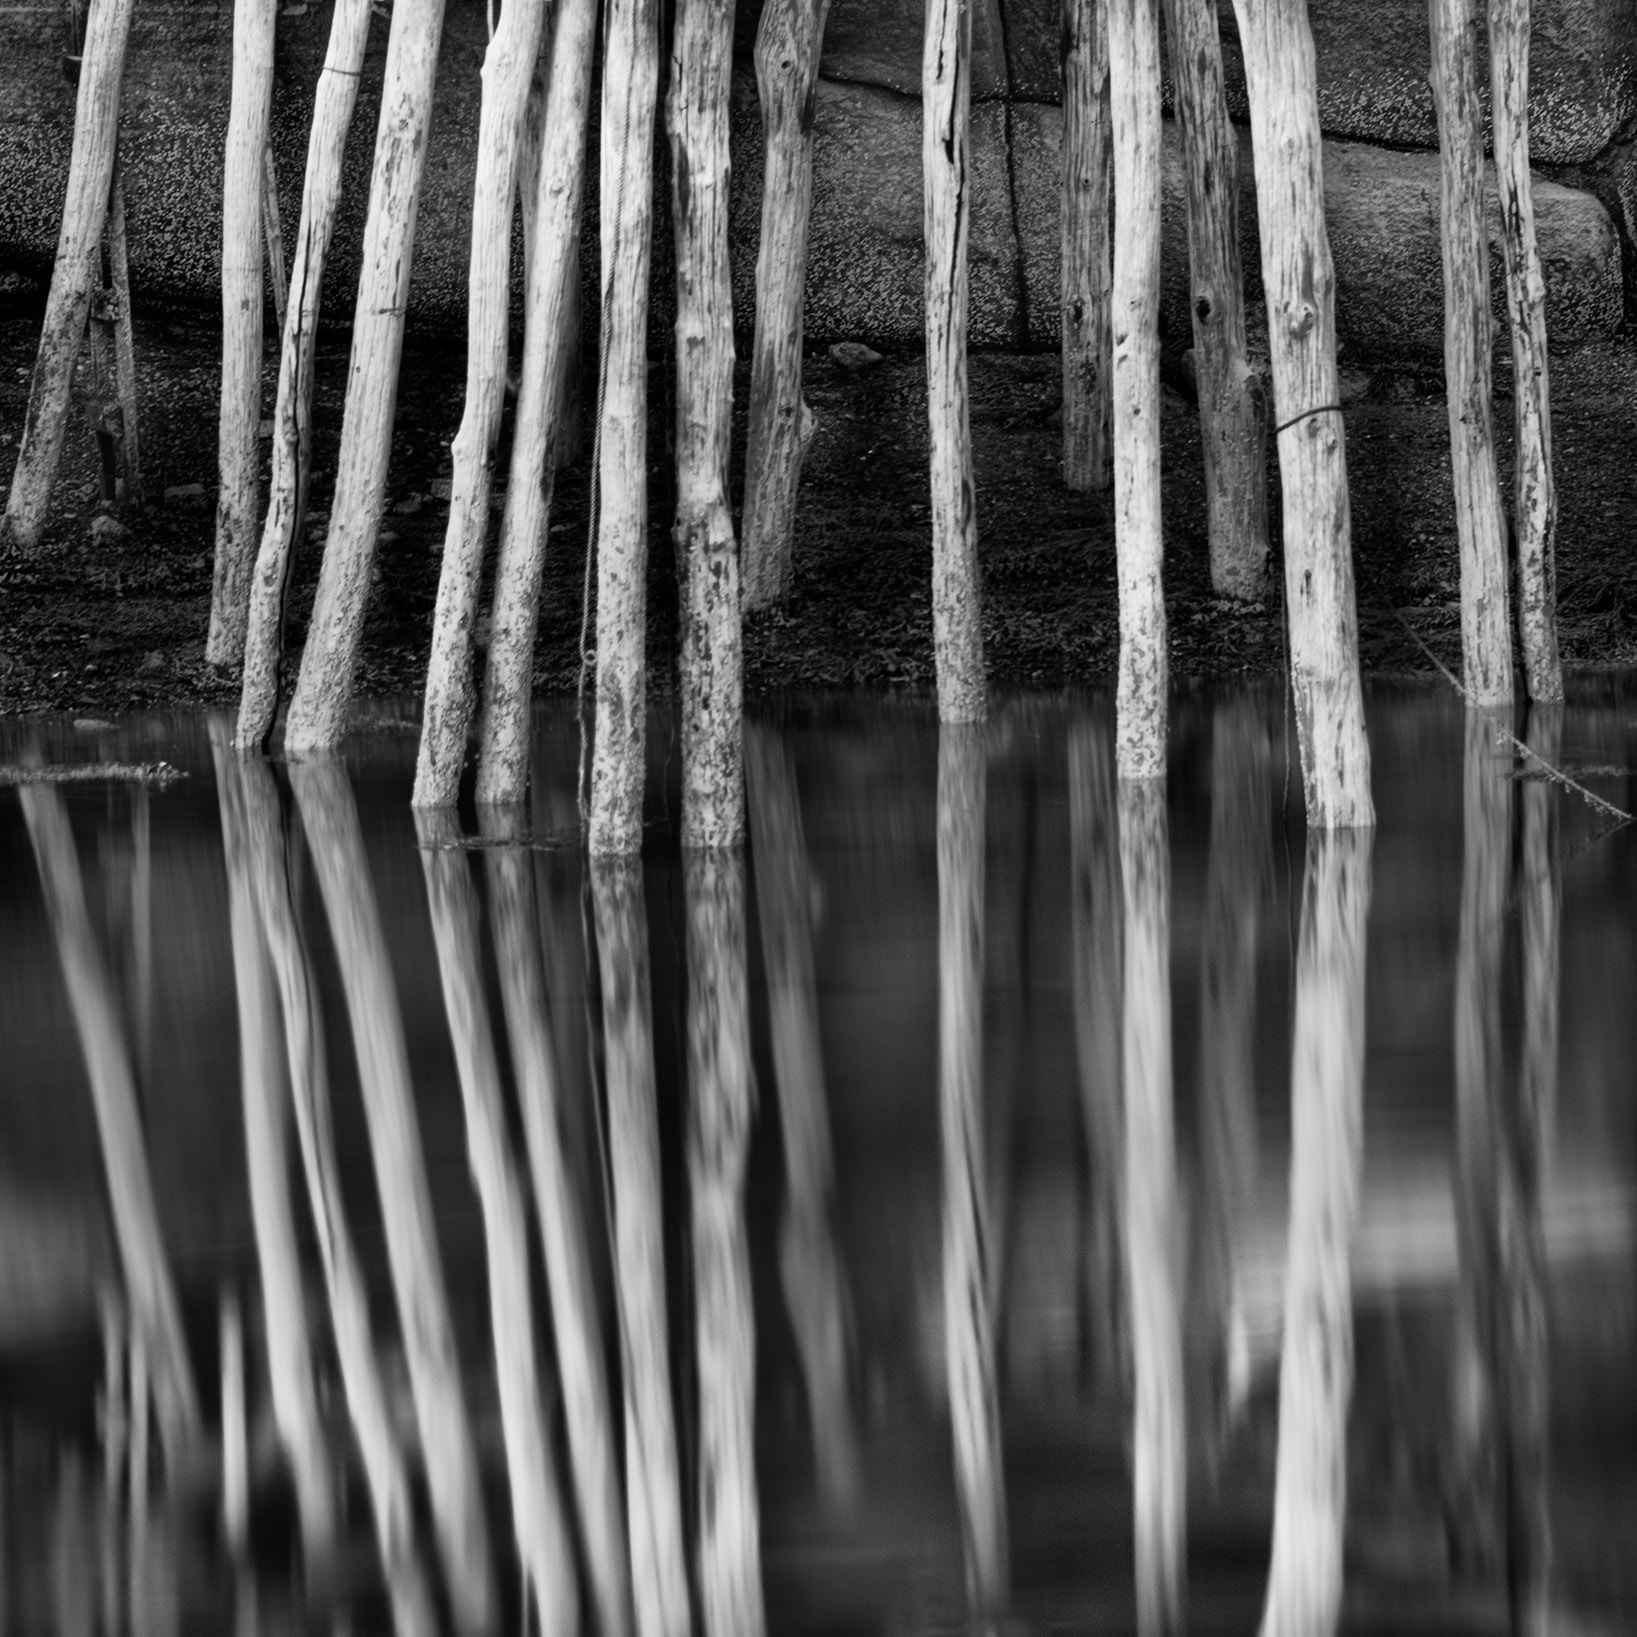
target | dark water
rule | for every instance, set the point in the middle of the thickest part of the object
(904, 1227)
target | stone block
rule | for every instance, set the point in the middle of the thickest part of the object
(1381, 212)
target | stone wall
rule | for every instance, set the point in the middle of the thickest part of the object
(865, 279)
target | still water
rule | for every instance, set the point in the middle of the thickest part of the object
(1000, 1198)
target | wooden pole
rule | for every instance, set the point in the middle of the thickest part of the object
(156, 1315)
(330, 820)
(1134, 57)
(576, 1318)
(789, 41)
(446, 719)
(1326, 1158)
(659, 1575)
(348, 1297)
(272, 228)
(1535, 496)
(968, 1297)
(235, 1427)
(119, 263)
(713, 774)
(539, 1522)
(1159, 1437)
(292, 413)
(1232, 403)
(318, 710)
(1086, 180)
(238, 446)
(266, 1122)
(721, 1107)
(946, 94)
(553, 280)
(1480, 520)
(90, 171)
(809, 1260)
(1300, 280)
(630, 87)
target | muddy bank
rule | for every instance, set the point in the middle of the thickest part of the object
(104, 618)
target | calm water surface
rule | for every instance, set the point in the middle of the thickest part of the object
(902, 1227)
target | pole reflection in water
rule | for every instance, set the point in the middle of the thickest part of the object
(1160, 1477)
(575, 1315)
(815, 1292)
(653, 1489)
(271, 875)
(1237, 871)
(545, 1552)
(1099, 953)
(1502, 1404)
(1326, 1155)
(720, 1096)
(266, 1116)
(331, 824)
(969, 1327)
(1524, 1248)
(155, 1313)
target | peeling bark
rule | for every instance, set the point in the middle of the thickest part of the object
(1534, 518)
(630, 87)
(789, 42)
(1480, 521)
(238, 446)
(1300, 279)
(1086, 184)
(1134, 56)
(713, 774)
(946, 96)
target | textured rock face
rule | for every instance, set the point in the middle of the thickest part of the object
(865, 272)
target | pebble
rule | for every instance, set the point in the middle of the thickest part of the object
(185, 497)
(105, 529)
(854, 356)
(442, 487)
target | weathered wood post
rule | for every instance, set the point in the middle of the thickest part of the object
(1480, 520)
(789, 42)
(539, 1519)
(333, 106)
(659, 1574)
(551, 237)
(713, 774)
(630, 88)
(446, 717)
(1159, 1436)
(238, 447)
(570, 1282)
(119, 269)
(946, 95)
(318, 709)
(1326, 1157)
(329, 818)
(968, 1299)
(721, 1108)
(1087, 275)
(1134, 58)
(1534, 518)
(90, 171)
(272, 232)
(1232, 403)
(1300, 279)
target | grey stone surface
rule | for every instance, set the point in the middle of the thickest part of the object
(866, 267)
(1382, 213)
